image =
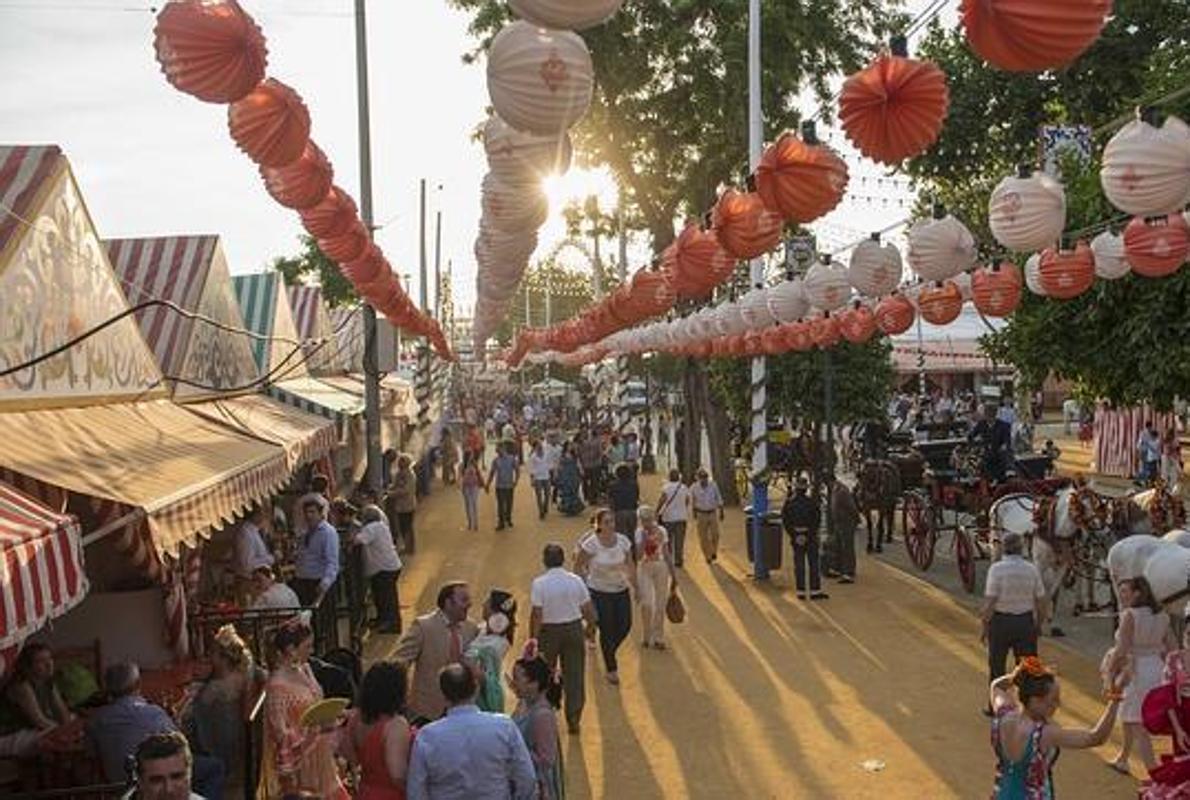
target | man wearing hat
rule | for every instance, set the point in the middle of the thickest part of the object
(1014, 606)
(800, 517)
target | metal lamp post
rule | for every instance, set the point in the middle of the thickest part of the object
(760, 461)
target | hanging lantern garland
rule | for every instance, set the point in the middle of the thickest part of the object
(1065, 274)
(1032, 35)
(539, 79)
(1146, 167)
(996, 290)
(800, 179)
(210, 49)
(1156, 246)
(1027, 212)
(744, 226)
(574, 15)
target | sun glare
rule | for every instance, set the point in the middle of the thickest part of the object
(579, 184)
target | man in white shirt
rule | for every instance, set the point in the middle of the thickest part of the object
(540, 473)
(1014, 606)
(708, 513)
(382, 566)
(250, 549)
(319, 489)
(561, 602)
(269, 593)
(673, 508)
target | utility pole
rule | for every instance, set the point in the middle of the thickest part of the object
(760, 460)
(438, 266)
(422, 380)
(622, 361)
(373, 476)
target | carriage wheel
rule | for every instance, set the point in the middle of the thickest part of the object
(917, 527)
(964, 554)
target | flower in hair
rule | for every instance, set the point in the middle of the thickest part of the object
(530, 651)
(1032, 666)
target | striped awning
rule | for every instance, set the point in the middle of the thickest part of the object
(41, 566)
(304, 437)
(24, 174)
(318, 397)
(188, 475)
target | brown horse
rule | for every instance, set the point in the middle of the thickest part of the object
(877, 488)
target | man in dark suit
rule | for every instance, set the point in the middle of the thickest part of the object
(800, 518)
(995, 436)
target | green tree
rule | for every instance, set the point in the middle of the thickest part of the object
(312, 263)
(569, 293)
(1143, 56)
(669, 113)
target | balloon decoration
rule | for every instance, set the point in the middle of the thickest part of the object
(211, 49)
(895, 314)
(996, 290)
(1108, 251)
(540, 80)
(894, 109)
(1032, 35)
(575, 15)
(940, 303)
(800, 180)
(1065, 274)
(744, 226)
(1027, 212)
(270, 124)
(826, 285)
(941, 248)
(1156, 246)
(1146, 168)
(875, 269)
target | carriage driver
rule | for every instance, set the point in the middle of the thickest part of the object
(995, 436)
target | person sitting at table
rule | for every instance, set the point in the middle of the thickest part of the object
(32, 692)
(269, 593)
(215, 720)
(114, 731)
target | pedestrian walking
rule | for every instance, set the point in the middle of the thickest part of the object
(655, 576)
(432, 641)
(800, 518)
(382, 567)
(624, 496)
(840, 554)
(504, 472)
(469, 754)
(1014, 606)
(1143, 639)
(673, 507)
(605, 559)
(470, 482)
(376, 736)
(403, 493)
(567, 482)
(707, 503)
(487, 650)
(590, 455)
(560, 604)
(1148, 448)
(540, 473)
(539, 693)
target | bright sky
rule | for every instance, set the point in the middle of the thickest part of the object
(154, 161)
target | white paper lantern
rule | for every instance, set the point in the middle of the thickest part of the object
(787, 300)
(755, 309)
(1033, 275)
(875, 269)
(939, 249)
(704, 325)
(827, 287)
(1108, 250)
(539, 79)
(963, 281)
(513, 208)
(1146, 169)
(1027, 213)
(518, 157)
(729, 320)
(575, 15)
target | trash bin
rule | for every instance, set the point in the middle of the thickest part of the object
(771, 542)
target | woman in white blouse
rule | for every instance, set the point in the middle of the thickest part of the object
(604, 558)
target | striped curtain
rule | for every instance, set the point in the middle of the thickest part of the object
(1117, 431)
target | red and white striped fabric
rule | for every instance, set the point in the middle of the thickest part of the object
(24, 171)
(1117, 431)
(170, 268)
(41, 565)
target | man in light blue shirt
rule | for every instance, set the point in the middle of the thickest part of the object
(469, 754)
(317, 561)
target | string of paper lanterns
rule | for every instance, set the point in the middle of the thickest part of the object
(215, 51)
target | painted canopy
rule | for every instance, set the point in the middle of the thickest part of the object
(197, 358)
(56, 284)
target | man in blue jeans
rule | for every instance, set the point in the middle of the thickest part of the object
(504, 472)
(1148, 448)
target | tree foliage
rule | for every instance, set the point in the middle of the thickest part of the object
(569, 292)
(1124, 341)
(312, 266)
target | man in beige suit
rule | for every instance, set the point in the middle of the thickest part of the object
(433, 641)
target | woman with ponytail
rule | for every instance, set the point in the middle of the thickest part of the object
(540, 693)
(1025, 738)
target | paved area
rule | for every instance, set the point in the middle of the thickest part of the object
(874, 693)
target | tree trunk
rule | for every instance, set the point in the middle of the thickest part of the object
(700, 409)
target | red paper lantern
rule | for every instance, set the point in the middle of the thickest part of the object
(385, 292)
(895, 314)
(1067, 273)
(1156, 246)
(733, 346)
(270, 124)
(941, 303)
(857, 324)
(300, 184)
(699, 262)
(894, 109)
(651, 293)
(825, 331)
(365, 268)
(753, 344)
(335, 214)
(346, 246)
(1032, 35)
(211, 49)
(797, 336)
(743, 225)
(996, 290)
(800, 181)
(703, 349)
(772, 341)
